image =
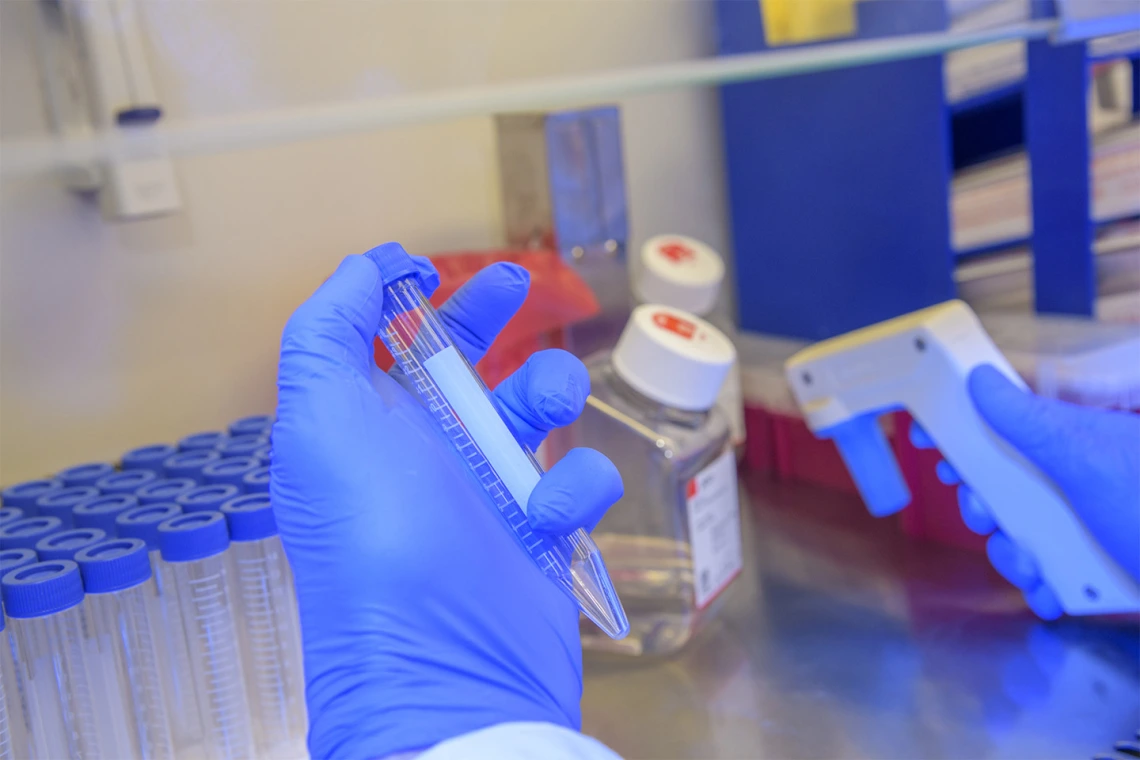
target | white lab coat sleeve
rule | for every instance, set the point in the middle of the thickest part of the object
(521, 741)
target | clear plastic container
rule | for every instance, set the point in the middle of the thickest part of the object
(207, 498)
(259, 424)
(7, 749)
(673, 540)
(101, 511)
(24, 495)
(194, 548)
(60, 503)
(126, 482)
(164, 491)
(467, 416)
(267, 614)
(122, 654)
(26, 532)
(65, 543)
(148, 457)
(686, 274)
(231, 469)
(44, 606)
(85, 474)
(177, 676)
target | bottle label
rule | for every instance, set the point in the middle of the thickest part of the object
(714, 528)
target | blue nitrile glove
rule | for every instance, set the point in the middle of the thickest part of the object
(1093, 455)
(422, 616)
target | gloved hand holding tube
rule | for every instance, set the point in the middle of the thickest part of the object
(426, 620)
(1093, 455)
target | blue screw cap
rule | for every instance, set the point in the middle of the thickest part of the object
(61, 503)
(207, 440)
(65, 543)
(250, 517)
(189, 464)
(142, 522)
(23, 534)
(24, 495)
(207, 498)
(256, 481)
(113, 565)
(85, 474)
(148, 457)
(10, 559)
(101, 511)
(8, 514)
(163, 491)
(242, 445)
(265, 454)
(192, 537)
(41, 589)
(395, 263)
(127, 481)
(259, 424)
(230, 470)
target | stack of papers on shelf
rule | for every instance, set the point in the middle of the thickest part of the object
(977, 70)
(990, 202)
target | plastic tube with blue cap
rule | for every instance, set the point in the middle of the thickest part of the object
(148, 457)
(164, 491)
(24, 495)
(193, 548)
(241, 445)
(207, 440)
(101, 512)
(267, 614)
(10, 559)
(13, 734)
(44, 602)
(259, 424)
(122, 648)
(256, 481)
(60, 503)
(230, 470)
(208, 498)
(189, 464)
(166, 614)
(127, 481)
(24, 533)
(10, 514)
(85, 474)
(65, 543)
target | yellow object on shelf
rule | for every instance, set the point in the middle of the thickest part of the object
(789, 22)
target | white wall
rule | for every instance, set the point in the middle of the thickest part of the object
(116, 335)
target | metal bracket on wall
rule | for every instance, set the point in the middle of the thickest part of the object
(563, 186)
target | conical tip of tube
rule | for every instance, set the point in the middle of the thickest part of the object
(596, 597)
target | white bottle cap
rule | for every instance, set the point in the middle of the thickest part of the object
(680, 272)
(672, 357)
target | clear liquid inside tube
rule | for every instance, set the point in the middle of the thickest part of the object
(457, 399)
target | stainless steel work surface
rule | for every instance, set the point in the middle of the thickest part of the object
(843, 639)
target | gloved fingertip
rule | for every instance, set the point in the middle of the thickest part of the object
(557, 386)
(946, 474)
(919, 438)
(1044, 602)
(512, 275)
(574, 493)
(1012, 562)
(975, 514)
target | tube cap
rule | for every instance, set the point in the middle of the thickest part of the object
(10, 559)
(192, 537)
(148, 457)
(23, 534)
(265, 454)
(230, 470)
(395, 263)
(242, 445)
(673, 357)
(259, 424)
(189, 464)
(206, 440)
(207, 498)
(24, 495)
(142, 522)
(250, 517)
(60, 503)
(65, 543)
(85, 474)
(42, 588)
(8, 514)
(163, 491)
(113, 565)
(127, 481)
(256, 481)
(101, 511)
(680, 272)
